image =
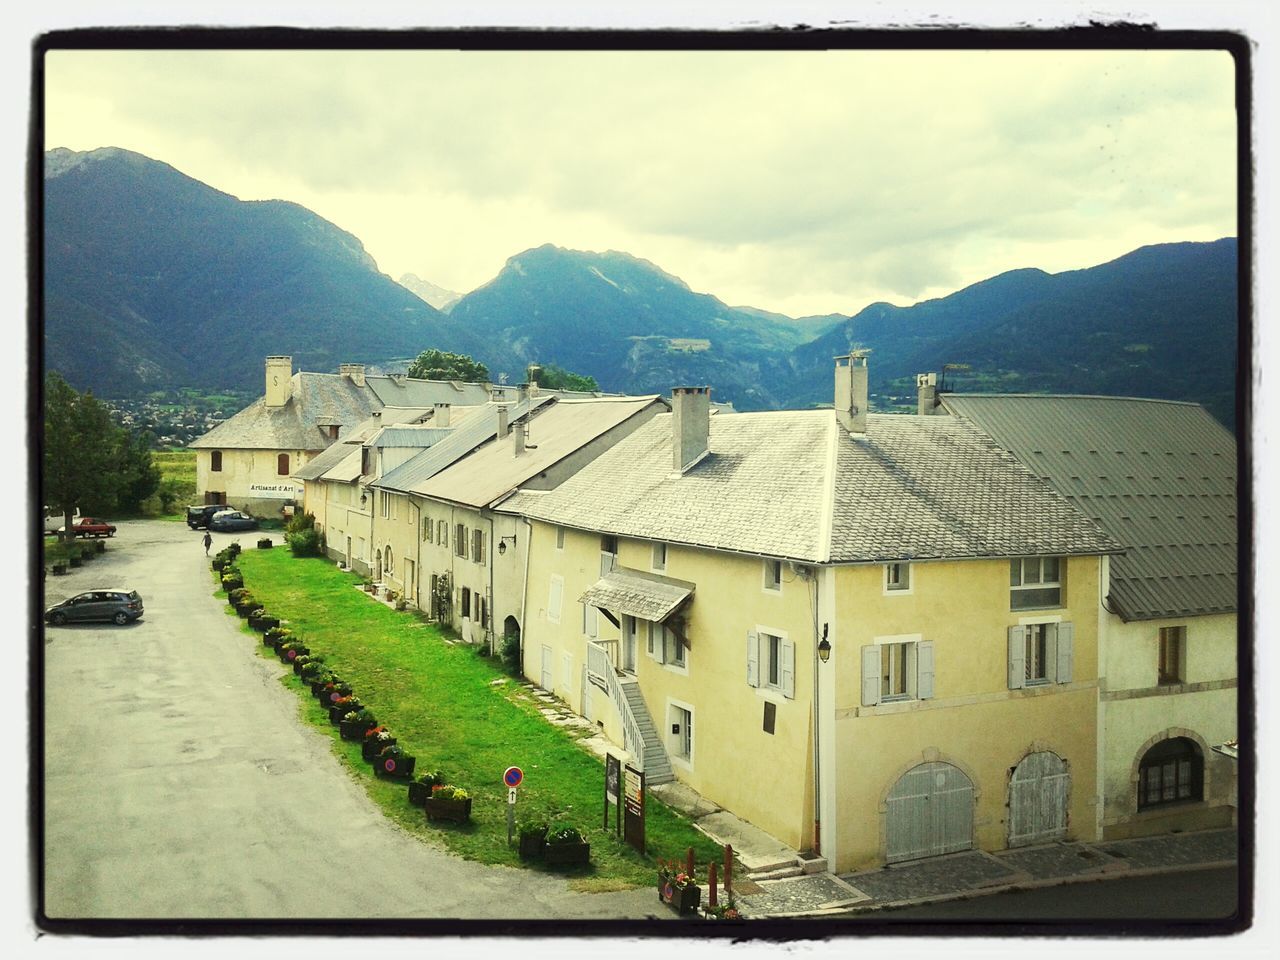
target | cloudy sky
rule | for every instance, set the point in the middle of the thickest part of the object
(801, 182)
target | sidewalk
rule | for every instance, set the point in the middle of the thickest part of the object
(975, 872)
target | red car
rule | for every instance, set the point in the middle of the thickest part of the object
(89, 527)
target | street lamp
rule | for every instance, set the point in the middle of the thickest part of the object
(824, 646)
(502, 543)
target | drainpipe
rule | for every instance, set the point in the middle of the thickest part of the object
(817, 721)
(493, 564)
(524, 590)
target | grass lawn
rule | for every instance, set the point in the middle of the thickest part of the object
(460, 713)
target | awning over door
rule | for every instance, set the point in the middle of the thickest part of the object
(635, 593)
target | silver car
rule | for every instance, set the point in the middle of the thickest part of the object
(117, 606)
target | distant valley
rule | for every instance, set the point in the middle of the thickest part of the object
(154, 281)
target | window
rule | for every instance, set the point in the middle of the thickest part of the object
(466, 603)
(680, 742)
(897, 577)
(897, 668)
(482, 611)
(672, 648)
(590, 621)
(659, 556)
(555, 598)
(771, 662)
(390, 563)
(559, 538)
(773, 575)
(366, 461)
(215, 461)
(282, 464)
(384, 504)
(428, 526)
(1035, 582)
(442, 533)
(1173, 645)
(609, 544)
(1040, 653)
(477, 545)
(1170, 772)
(460, 541)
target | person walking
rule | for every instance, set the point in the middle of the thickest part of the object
(208, 541)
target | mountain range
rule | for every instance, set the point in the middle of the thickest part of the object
(155, 280)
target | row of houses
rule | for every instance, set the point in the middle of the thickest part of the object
(1005, 620)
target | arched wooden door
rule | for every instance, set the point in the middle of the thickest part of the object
(1039, 792)
(930, 812)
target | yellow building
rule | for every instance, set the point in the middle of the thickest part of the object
(873, 637)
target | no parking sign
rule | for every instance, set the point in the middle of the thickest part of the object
(512, 777)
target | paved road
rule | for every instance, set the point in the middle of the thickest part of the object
(181, 784)
(1190, 895)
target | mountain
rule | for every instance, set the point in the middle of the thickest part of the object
(438, 297)
(626, 322)
(155, 280)
(1158, 322)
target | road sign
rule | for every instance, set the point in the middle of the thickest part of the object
(512, 777)
(511, 795)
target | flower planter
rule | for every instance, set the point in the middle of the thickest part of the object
(244, 609)
(371, 747)
(59, 569)
(99, 547)
(75, 561)
(232, 583)
(531, 847)
(683, 900)
(354, 729)
(264, 543)
(567, 854)
(398, 768)
(263, 623)
(338, 711)
(420, 792)
(459, 811)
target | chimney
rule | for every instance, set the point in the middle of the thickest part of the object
(441, 416)
(926, 393)
(690, 425)
(851, 392)
(504, 411)
(519, 431)
(279, 381)
(353, 372)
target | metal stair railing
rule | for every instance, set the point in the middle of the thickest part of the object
(600, 664)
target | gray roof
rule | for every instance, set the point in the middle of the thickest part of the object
(399, 435)
(1159, 476)
(792, 484)
(326, 460)
(318, 398)
(637, 593)
(404, 392)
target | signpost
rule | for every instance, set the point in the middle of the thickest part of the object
(633, 807)
(512, 777)
(613, 789)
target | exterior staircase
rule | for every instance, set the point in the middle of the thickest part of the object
(656, 765)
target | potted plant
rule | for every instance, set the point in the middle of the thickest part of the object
(533, 837)
(263, 622)
(232, 579)
(307, 666)
(565, 846)
(341, 707)
(354, 723)
(274, 637)
(74, 560)
(332, 691)
(236, 595)
(249, 606)
(321, 680)
(421, 787)
(677, 889)
(290, 650)
(394, 762)
(375, 740)
(448, 802)
(264, 543)
(728, 910)
(99, 546)
(368, 586)
(60, 568)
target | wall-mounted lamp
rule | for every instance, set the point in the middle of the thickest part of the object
(502, 543)
(824, 646)
(364, 497)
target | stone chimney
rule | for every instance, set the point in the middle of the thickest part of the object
(519, 431)
(926, 393)
(504, 413)
(851, 392)
(279, 381)
(353, 372)
(441, 415)
(690, 425)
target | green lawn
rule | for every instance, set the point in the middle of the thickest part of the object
(443, 705)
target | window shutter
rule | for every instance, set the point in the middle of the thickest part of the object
(1017, 657)
(753, 658)
(788, 669)
(924, 670)
(659, 634)
(1066, 652)
(648, 638)
(554, 599)
(870, 675)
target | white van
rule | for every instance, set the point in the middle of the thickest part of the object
(53, 521)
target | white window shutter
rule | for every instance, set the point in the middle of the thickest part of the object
(1066, 652)
(1017, 657)
(788, 669)
(924, 670)
(870, 675)
(753, 658)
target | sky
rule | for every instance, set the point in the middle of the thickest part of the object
(804, 182)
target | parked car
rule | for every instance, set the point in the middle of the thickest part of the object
(91, 527)
(198, 516)
(119, 606)
(54, 522)
(229, 520)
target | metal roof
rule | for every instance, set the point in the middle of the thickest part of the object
(404, 392)
(1159, 476)
(326, 460)
(637, 593)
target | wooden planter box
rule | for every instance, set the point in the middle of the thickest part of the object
(59, 569)
(263, 623)
(244, 609)
(100, 547)
(459, 811)
(75, 561)
(370, 748)
(336, 713)
(288, 656)
(326, 697)
(531, 847)
(234, 583)
(264, 543)
(420, 792)
(683, 900)
(354, 730)
(396, 768)
(567, 854)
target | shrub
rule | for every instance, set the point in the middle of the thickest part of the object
(446, 791)
(534, 829)
(306, 543)
(511, 652)
(563, 834)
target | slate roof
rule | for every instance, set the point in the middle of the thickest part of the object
(637, 593)
(318, 398)
(1159, 476)
(792, 484)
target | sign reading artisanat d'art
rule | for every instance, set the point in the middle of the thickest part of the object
(275, 491)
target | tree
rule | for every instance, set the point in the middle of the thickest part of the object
(437, 365)
(552, 377)
(81, 451)
(139, 477)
